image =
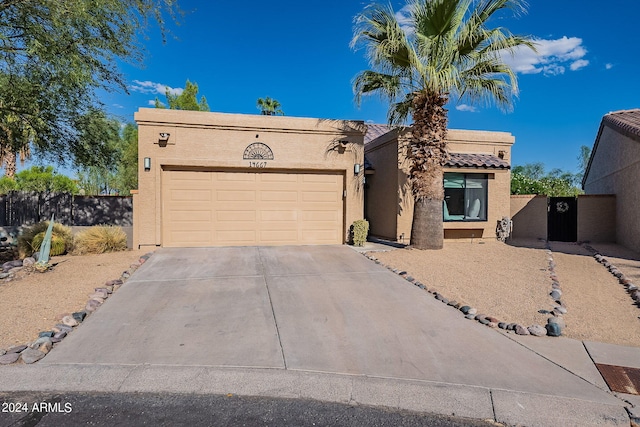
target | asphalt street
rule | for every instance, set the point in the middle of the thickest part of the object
(152, 409)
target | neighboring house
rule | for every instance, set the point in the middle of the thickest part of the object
(477, 182)
(614, 168)
(211, 179)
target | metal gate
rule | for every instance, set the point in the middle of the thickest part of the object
(562, 219)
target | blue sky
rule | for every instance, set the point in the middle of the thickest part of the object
(298, 52)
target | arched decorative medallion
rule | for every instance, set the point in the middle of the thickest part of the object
(257, 151)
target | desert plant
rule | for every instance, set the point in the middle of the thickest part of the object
(359, 232)
(100, 239)
(31, 239)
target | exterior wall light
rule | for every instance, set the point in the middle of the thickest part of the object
(147, 164)
(356, 169)
(163, 139)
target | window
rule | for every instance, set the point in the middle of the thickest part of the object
(465, 197)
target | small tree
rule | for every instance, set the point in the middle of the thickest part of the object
(44, 179)
(187, 100)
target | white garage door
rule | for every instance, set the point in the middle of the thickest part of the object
(214, 208)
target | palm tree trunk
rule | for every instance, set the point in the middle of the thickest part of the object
(428, 154)
(10, 166)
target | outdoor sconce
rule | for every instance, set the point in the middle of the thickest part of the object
(163, 139)
(147, 164)
(356, 169)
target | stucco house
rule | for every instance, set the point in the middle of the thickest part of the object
(614, 168)
(476, 183)
(212, 179)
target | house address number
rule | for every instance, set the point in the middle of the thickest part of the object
(259, 165)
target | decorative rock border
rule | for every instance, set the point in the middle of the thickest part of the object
(36, 350)
(629, 286)
(555, 323)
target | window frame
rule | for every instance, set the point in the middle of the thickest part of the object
(484, 203)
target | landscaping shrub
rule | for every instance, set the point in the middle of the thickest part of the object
(359, 232)
(31, 238)
(100, 239)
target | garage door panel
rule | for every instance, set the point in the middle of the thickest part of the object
(282, 215)
(190, 216)
(317, 215)
(237, 195)
(236, 215)
(320, 196)
(234, 177)
(212, 208)
(184, 237)
(279, 177)
(229, 237)
(190, 195)
(278, 196)
(313, 178)
(321, 236)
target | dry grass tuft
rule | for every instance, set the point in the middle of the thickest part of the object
(100, 239)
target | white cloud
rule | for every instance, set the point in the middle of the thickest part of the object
(403, 16)
(468, 108)
(552, 57)
(117, 106)
(608, 66)
(580, 63)
(152, 103)
(153, 87)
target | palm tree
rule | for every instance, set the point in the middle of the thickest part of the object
(15, 139)
(269, 107)
(443, 49)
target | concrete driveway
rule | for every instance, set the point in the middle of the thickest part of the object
(321, 322)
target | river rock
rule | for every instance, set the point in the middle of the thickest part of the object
(472, 311)
(556, 294)
(465, 309)
(9, 358)
(16, 349)
(29, 261)
(537, 330)
(30, 356)
(45, 347)
(560, 310)
(79, 316)
(557, 321)
(553, 329)
(521, 330)
(69, 321)
(113, 282)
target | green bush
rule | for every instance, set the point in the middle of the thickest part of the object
(359, 232)
(7, 184)
(31, 238)
(100, 239)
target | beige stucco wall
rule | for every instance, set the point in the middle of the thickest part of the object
(529, 216)
(596, 218)
(615, 169)
(216, 141)
(389, 152)
(381, 191)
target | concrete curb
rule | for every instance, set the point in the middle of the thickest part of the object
(504, 406)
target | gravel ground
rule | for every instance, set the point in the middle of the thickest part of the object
(36, 301)
(511, 282)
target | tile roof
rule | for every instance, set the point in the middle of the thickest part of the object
(375, 131)
(626, 122)
(487, 161)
